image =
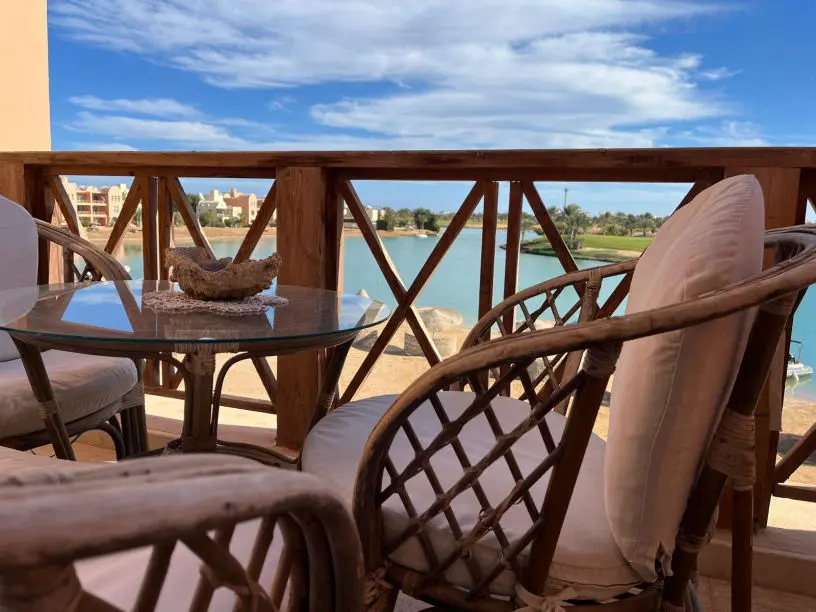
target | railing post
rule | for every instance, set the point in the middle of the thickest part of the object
(150, 229)
(784, 206)
(303, 198)
(12, 182)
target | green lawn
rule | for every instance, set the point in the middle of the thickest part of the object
(597, 247)
(617, 243)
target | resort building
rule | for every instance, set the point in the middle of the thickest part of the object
(247, 202)
(96, 205)
(215, 202)
(371, 212)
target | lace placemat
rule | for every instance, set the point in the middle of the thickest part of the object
(168, 301)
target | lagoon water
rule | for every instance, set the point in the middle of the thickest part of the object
(455, 283)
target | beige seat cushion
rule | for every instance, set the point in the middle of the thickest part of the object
(18, 247)
(82, 385)
(587, 557)
(669, 389)
(16, 465)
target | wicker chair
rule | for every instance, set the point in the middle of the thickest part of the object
(88, 538)
(479, 501)
(90, 391)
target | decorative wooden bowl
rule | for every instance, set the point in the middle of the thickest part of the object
(203, 278)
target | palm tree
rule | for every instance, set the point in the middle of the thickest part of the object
(421, 217)
(605, 219)
(573, 219)
(630, 223)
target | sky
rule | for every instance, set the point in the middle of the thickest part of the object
(432, 74)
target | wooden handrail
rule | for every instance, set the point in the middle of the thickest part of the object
(692, 157)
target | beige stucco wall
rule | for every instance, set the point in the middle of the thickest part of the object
(25, 120)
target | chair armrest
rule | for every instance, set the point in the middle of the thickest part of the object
(53, 517)
(104, 264)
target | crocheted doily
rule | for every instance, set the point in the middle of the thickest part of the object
(168, 301)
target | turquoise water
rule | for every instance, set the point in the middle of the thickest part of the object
(455, 283)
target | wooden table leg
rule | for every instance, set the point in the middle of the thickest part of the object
(198, 433)
(41, 386)
(331, 378)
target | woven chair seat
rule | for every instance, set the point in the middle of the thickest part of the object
(587, 558)
(83, 385)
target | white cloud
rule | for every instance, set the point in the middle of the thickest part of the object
(186, 133)
(159, 107)
(282, 103)
(725, 134)
(449, 74)
(104, 146)
(717, 74)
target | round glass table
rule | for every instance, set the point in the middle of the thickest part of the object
(111, 318)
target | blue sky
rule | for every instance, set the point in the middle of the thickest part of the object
(432, 74)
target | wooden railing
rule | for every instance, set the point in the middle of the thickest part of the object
(308, 189)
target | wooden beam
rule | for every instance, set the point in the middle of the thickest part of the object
(799, 492)
(66, 207)
(334, 237)
(267, 161)
(12, 181)
(189, 215)
(301, 202)
(616, 297)
(796, 456)
(256, 230)
(129, 207)
(488, 257)
(404, 307)
(393, 279)
(150, 230)
(231, 401)
(553, 235)
(266, 375)
(784, 206)
(512, 250)
(490, 211)
(165, 226)
(36, 204)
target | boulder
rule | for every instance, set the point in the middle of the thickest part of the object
(446, 345)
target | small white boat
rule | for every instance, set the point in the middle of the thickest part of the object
(421, 235)
(797, 369)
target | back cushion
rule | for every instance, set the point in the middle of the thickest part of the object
(18, 251)
(669, 389)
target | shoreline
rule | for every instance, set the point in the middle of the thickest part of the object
(605, 255)
(181, 234)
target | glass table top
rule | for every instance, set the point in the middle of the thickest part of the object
(114, 311)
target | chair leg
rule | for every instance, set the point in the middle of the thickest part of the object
(134, 429)
(116, 436)
(115, 423)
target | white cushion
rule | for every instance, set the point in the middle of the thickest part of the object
(82, 385)
(587, 557)
(18, 246)
(669, 389)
